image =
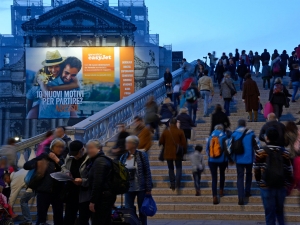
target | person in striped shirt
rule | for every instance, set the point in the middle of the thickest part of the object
(273, 173)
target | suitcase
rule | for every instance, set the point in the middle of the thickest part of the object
(123, 216)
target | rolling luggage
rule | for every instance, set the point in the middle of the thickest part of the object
(123, 216)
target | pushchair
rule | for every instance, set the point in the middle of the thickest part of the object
(5, 218)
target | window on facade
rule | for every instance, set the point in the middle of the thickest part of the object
(139, 18)
(26, 18)
(140, 32)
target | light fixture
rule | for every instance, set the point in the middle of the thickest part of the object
(17, 139)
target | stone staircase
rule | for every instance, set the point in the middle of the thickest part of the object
(187, 206)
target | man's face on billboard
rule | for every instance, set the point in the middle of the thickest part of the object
(54, 70)
(69, 73)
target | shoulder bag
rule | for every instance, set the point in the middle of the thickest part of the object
(232, 91)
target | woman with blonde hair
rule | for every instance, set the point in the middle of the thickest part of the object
(167, 111)
(186, 122)
(278, 96)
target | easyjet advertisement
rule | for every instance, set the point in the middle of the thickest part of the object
(76, 82)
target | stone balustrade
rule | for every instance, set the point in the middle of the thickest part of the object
(102, 125)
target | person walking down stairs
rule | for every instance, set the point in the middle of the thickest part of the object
(215, 149)
(242, 146)
(251, 97)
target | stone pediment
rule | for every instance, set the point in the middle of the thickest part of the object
(78, 16)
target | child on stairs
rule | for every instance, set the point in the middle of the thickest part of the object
(198, 167)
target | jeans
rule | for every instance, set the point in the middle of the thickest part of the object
(192, 107)
(103, 206)
(273, 201)
(44, 200)
(205, 96)
(176, 99)
(237, 63)
(173, 179)
(251, 68)
(129, 203)
(278, 110)
(296, 86)
(264, 82)
(24, 206)
(214, 175)
(197, 179)
(241, 83)
(240, 179)
(227, 106)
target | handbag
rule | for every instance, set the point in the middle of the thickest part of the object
(161, 155)
(232, 91)
(179, 148)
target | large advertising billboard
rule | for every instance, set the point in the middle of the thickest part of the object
(77, 81)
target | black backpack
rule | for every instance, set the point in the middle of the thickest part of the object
(274, 172)
(190, 95)
(119, 183)
(237, 146)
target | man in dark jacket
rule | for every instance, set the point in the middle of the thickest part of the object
(265, 57)
(100, 173)
(284, 60)
(273, 122)
(237, 57)
(192, 95)
(60, 132)
(295, 78)
(73, 165)
(168, 79)
(232, 69)
(242, 70)
(293, 60)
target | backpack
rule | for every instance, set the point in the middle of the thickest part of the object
(276, 68)
(297, 143)
(237, 146)
(119, 183)
(274, 173)
(190, 95)
(278, 88)
(215, 148)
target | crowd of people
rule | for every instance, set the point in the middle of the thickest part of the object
(90, 192)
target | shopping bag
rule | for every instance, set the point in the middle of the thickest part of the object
(268, 109)
(149, 206)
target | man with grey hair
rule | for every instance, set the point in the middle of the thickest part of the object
(242, 146)
(273, 122)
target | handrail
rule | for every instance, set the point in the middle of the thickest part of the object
(102, 125)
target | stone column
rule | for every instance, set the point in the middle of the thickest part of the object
(54, 41)
(53, 124)
(33, 127)
(123, 41)
(130, 42)
(1, 127)
(34, 41)
(27, 128)
(27, 41)
(103, 41)
(60, 41)
(7, 124)
(97, 41)
(60, 122)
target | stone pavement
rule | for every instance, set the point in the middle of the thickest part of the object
(208, 222)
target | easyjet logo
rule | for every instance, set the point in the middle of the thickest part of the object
(98, 57)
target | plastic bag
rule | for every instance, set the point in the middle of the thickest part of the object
(149, 206)
(268, 109)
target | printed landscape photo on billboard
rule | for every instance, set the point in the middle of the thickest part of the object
(76, 82)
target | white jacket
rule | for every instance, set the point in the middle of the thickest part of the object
(17, 183)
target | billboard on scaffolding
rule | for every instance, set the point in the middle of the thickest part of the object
(76, 82)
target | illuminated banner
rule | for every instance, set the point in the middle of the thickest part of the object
(76, 82)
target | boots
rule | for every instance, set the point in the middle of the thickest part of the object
(215, 200)
(255, 116)
(221, 193)
(250, 117)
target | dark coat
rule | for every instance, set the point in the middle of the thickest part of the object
(219, 118)
(47, 184)
(168, 78)
(279, 98)
(167, 111)
(167, 139)
(278, 126)
(186, 122)
(295, 75)
(265, 57)
(100, 173)
(250, 95)
(242, 70)
(284, 58)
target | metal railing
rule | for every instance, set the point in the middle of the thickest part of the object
(102, 125)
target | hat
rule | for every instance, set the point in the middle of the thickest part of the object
(75, 147)
(53, 58)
